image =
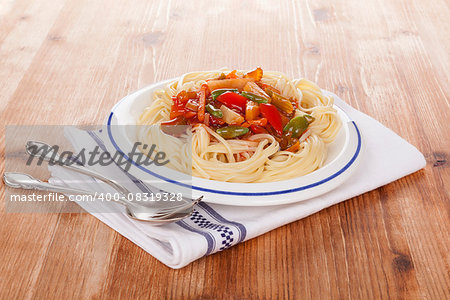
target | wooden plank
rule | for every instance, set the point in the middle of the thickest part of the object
(68, 62)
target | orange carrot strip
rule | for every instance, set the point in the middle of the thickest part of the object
(260, 122)
(231, 75)
(256, 74)
(294, 148)
(252, 110)
(202, 103)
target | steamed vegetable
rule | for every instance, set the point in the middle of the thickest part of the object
(236, 105)
(219, 92)
(232, 74)
(281, 102)
(230, 116)
(214, 121)
(273, 116)
(294, 148)
(235, 83)
(298, 125)
(214, 111)
(192, 105)
(202, 103)
(254, 98)
(233, 100)
(256, 74)
(257, 129)
(265, 86)
(230, 132)
(189, 114)
(222, 76)
(253, 88)
(177, 109)
(252, 110)
(260, 122)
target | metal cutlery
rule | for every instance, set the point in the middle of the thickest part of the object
(138, 212)
(134, 210)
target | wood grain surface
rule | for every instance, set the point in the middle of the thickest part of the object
(68, 62)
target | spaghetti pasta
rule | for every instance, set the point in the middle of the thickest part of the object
(259, 153)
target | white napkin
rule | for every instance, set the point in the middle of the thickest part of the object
(387, 157)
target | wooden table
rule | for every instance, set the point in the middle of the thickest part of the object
(68, 62)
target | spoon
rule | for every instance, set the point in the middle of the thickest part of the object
(137, 212)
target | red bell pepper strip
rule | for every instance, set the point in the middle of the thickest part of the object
(176, 111)
(177, 108)
(233, 100)
(273, 116)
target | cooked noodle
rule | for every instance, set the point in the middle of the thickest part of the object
(257, 158)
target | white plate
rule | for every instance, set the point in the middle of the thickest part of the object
(344, 155)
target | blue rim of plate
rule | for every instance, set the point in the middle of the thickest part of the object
(198, 188)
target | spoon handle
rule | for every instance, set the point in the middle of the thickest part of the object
(25, 181)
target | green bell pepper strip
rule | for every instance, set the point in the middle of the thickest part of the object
(298, 125)
(217, 93)
(254, 97)
(232, 131)
(214, 111)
